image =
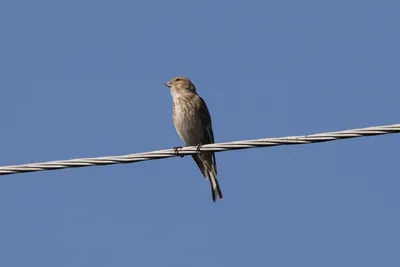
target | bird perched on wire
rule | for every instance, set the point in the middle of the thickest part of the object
(192, 121)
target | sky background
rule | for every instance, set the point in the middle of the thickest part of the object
(85, 79)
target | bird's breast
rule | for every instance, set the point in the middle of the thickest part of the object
(186, 121)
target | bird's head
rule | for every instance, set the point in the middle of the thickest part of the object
(180, 85)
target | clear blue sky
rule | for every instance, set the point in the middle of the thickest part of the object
(85, 79)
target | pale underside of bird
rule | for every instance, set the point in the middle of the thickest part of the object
(192, 122)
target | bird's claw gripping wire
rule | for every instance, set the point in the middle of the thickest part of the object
(198, 146)
(177, 148)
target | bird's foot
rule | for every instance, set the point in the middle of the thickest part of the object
(198, 146)
(177, 148)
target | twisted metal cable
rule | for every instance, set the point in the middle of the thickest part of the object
(219, 147)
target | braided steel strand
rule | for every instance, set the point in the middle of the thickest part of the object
(219, 147)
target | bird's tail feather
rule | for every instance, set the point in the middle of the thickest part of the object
(215, 188)
(209, 171)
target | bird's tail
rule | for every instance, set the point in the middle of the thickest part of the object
(215, 188)
(209, 170)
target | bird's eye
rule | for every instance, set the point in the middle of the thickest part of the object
(177, 79)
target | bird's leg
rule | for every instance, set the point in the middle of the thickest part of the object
(177, 148)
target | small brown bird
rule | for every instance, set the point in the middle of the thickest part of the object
(192, 121)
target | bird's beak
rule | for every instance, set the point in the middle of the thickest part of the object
(168, 84)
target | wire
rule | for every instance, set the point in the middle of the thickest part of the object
(168, 153)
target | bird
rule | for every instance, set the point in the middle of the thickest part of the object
(192, 122)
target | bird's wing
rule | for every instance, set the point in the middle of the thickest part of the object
(207, 126)
(206, 121)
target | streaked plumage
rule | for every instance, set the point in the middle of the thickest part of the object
(192, 121)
